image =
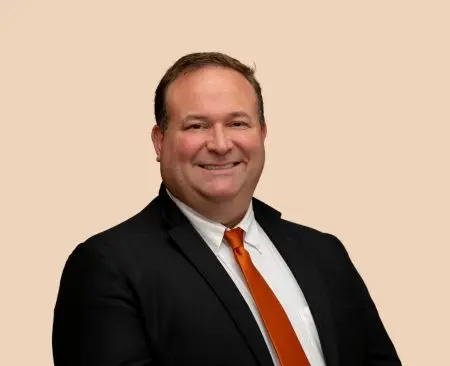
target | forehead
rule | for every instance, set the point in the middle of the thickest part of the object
(210, 89)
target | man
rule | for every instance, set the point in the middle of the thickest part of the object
(206, 274)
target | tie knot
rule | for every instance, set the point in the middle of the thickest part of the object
(235, 237)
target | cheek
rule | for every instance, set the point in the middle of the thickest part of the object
(251, 145)
(185, 147)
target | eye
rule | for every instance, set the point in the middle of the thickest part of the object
(195, 126)
(239, 124)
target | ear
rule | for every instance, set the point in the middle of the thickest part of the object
(264, 130)
(157, 138)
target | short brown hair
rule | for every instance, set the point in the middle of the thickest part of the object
(195, 61)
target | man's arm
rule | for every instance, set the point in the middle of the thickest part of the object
(95, 317)
(379, 349)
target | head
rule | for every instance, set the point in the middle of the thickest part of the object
(210, 131)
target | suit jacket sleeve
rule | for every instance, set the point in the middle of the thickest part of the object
(379, 349)
(96, 321)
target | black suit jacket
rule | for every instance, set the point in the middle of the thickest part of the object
(150, 292)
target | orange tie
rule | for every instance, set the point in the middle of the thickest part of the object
(284, 339)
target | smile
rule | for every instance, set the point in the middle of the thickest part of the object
(219, 166)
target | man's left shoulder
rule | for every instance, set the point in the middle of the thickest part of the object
(301, 234)
(308, 234)
(326, 247)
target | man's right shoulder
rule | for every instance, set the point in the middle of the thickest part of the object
(133, 236)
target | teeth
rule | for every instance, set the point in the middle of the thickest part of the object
(217, 167)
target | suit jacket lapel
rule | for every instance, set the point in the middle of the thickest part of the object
(198, 253)
(306, 273)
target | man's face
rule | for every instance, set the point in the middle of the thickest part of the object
(213, 147)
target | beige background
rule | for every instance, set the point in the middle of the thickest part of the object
(357, 101)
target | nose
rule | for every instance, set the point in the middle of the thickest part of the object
(219, 141)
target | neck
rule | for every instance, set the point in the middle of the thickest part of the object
(227, 217)
(229, 213)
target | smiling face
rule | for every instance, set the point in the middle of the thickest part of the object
(213, 147)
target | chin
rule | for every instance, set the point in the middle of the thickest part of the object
(220, 193)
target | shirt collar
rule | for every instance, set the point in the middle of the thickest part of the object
(212, 232)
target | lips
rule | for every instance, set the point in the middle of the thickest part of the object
(219, 166)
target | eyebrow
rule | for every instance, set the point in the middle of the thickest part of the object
(238, 114)
(200, 117)
(196, 117)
